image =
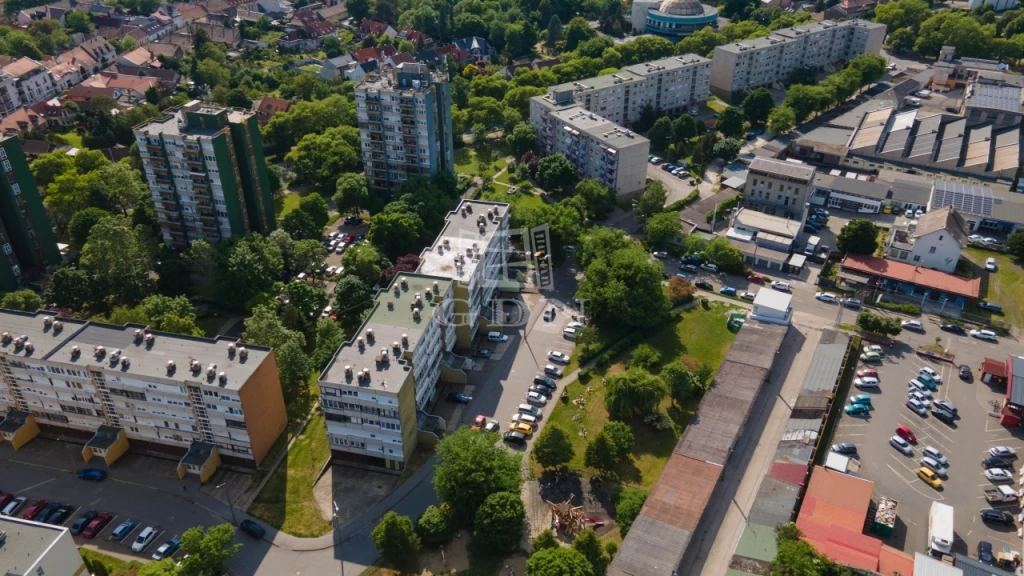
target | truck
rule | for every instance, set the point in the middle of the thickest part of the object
(885, 517)
(940, 529)
(812, 246)
(999, 494)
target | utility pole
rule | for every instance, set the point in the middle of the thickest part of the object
(67, 450)
(227, 490)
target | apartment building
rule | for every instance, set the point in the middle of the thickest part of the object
(376, 391)
(742, 66)
(206, 173)
(405, 124)
(26, 238)
(37, 549)
(670, 85)
(205, 401)
(598, 148)
(779, 187)
(23, 83)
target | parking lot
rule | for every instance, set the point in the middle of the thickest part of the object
(965, 441)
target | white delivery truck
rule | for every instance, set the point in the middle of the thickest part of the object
(812, 245)
(940, 529)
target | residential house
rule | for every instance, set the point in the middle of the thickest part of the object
(268, 106)
(121, 87)
(227, 7)
(35, 148)
(275, 9)
(400, 58)
(306, 36)
(333, 67)
(478, 48)
(934, 241)
(50, 11)
(166, 50)
(334, 13)
(459, 55)
(167, 78)
(56, 115)
(93, 52)
(429, 57)
(418, 39)
(376, 29)
(189, 12)
(378, 53)
(140, 57)
(65, 74)
(33, 81)
(251, 16)
(22, 120)
(154, 28)
(218, 33)
(177, 18)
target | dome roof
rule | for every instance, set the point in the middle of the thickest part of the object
(682, 7)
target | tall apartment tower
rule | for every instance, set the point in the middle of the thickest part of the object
(206, 173)
(26, 238)
(405, 124)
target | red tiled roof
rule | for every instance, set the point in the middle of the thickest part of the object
(913, 274)
(832, 518)
(892, 561)
(378, 53)
(402, 58)
(993, 367)
(372, 27)
(788, 472)
(270, 105)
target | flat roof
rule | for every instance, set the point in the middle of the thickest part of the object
(857, 187)
(772, 166)
(27, 541)
(871, 128)
(1015, 382)
(902, 272)
(925, 136)
(773, 299)
(599, 127)
(620, 78)
(973, 200)
(1001, 97)
(670, 63)
(390, 320)
(464, 238)
(952, 140)
(32, 325)
(766, 222)
(149, 360)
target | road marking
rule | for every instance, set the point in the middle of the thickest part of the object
(71, 515)
(126, 541)
(28, 488)
(911, 485)
(155, 538)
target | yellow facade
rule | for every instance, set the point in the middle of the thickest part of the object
(25, 434)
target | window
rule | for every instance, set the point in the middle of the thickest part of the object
(931, 250)
(917, 258)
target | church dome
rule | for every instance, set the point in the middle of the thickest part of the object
(682, 7)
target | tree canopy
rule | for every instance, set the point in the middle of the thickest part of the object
(858, 236)
(470, 467)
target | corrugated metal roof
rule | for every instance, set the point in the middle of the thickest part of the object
(825, 365)
(794, 474)
(995, 97)
(1015, 382)
(971, 567)
(925, 565)
(774, 503)
(952, 140)
(651, 547)
(974, 200)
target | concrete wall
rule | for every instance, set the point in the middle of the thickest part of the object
(263, 404)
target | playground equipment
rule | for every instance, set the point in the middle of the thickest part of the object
(567, 518)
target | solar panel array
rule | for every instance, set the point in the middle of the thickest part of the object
(967, 199)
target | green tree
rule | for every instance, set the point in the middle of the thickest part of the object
(622, 435)
(470, 466)
(353, 193)
(902, 14)
(796, 557)
(518, 98)
(165, 567)
(1015, 244)
(352, 299)
(117, 261)
(723, 254)
(558, 562)
(701, 42)
(588, 544)
(623, 288)
(644, 357)
(781, 120)
(395, 539)
(730, 123)
(902, 40)
(292, 366)
(498, 525)
(69, 288)
(306, 255)
(300, 225)
(121, 185)
(395, 233)
(264, 328)
(365, 263)
(546, 540)
(877, 324)
(328, 337)
(633, 394)
(435, 525)
(553, 447)
(661, 134)
(250, 269)
(662, 228)
(728, 148)
(684, 127)
(207, 551)
(602, 453)
(522, 139)
(309, 299)
(682, 384)
(652, 201)
(358, 9)
(77, 21)
(555, 171)
(24, 300)
(554, 29)
(82, 222)
(320, 159)
(631, 500)
(599, 199)
(757, 106)
(316, 207)
(576, 31)
(47, 167)
(858, 236)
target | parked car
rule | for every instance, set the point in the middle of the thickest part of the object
(998, 475)
(123, 529)
(528, 418)
(756, 278)
(929, 477)
(497, 337)
(82, 521)
(521, 427)
(560, 357)
(569, 333)
(97, 524)
(906, 433)
(856, 409)
(826, 297)
(985, 553)
(862, 399)
(704, 285)
(984, 335)
(458, 398)
(935, 455)
(536, 398)
(917, 386)
(689, 268)
(482, 353)
(34, 509)
(94, 474)
(709, 267)
(13, 506)
(873, 348)
(933, 465)
(990, 264)
(915, 405)
(990, 306)
(144, 539)
(851, 303)
(952, 328)
(965, 372)
(931, 373)
(996, 516)
(252, 529)
(492, 426)
(810, 228)
(866, 382)
(660, 254)
(920, 398)
(901, 445)
(727, 290)
(167, 549)
(59, 516)
(531, 410)
(867, 372)
(844, 448)
(996, 462)
(871, 357)
(780, 285)
(1003, 452)
(552, 370)
(914, 325)
(748, 296)
(514, 438)
(542, 390)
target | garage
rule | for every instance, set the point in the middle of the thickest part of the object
(856, 193)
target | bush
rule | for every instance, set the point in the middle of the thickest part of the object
(658, 421)
(680, 204)
(499, 522)
(434, 526)
(910, 309)
(705, 303)
(724, 208)
(877, 324)
(610, 548)
(627, 508)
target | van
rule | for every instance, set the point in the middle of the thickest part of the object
(497, 337)
(531, 410)
(569, 333)
(983, 335)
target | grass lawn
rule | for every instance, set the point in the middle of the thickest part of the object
(468, 159)
(883, 235)
(94, 560)
(285, 204)
(505, 178)
(1005, 286)
(716, 104)
(699, 336)
(519, 199)
(73, 138)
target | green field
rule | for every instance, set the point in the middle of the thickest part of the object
(99, 563)
(285, 204)
(1005, 286)
(467, 161)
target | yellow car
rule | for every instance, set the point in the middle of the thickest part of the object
(521, 427)
(930, 477)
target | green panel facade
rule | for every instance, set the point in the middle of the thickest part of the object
(252, 167)
(26, 228)
(233, 200)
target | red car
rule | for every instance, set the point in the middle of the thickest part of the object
(906, 434)
(756, 279)
(32, 511)
(865, 372)
(97, 525)
(5, 499)
(348, 238)
(478, 423)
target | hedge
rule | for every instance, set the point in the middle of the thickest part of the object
(680, 204)
(724, 208)
(910, 309)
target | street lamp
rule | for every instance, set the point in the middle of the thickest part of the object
(227, 490)
(334, 518)
(67, 451)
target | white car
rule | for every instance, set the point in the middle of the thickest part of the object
(901, 445)
(916, 406)
(13, 506)
(975, 238)
(144, 539)
(915, 395)
(929, 462)
(998, 475)
(866, 382)
(916, 386)
(560, 357)
(330, 270)
(327, 312)
(931, 374)
(1002, 452)
(935, 455)
(990, 264)
(660, 255)
(780, 285)
(913, 325)
(528, 418)
(709, 267)
(873, 348)
(826, 297)
(574, 325)
(983, 335)
(536, 398)
(918, 213)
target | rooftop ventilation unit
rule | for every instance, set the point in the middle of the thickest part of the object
(29, 347)
(138, 335)
(74, 351)
(100, 351)
(405, 339)
(6, 337)
(125, 363)
(222, 377)
(243, 353)
(47, 321)
(170, 365)
(150, 338)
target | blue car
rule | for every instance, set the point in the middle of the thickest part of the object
(691, 260)
(252, 529)
(728, 291)
(94, 474)
(167, 549)
(458, 397)
(681, 275)
(123, 529)
(667, 167)
(751, 136)
(810, 228)
(856, 409)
